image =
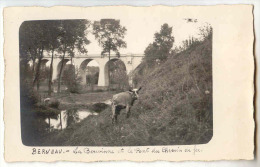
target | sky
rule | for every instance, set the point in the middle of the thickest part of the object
(140, 33)
(138, 39)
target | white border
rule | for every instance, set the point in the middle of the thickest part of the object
(5, 3)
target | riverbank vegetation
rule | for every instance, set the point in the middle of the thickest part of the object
(175, 105)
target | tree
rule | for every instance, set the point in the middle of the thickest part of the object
(32, 43)
(110, 35)
(43, 74)
(161, 47)
(92, 76)
(205, 31)
(73, 36)
(119, 75)
(53, 35)
(71, 78)
(25, 48)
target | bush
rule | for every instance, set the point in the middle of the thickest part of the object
(54, 103)
(98, 107)
(118, 76)
(28, 97)
(72, 79)
(160, 49)
(174, 107)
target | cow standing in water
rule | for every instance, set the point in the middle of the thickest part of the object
(123, 100)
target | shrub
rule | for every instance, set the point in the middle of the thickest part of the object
(54, 103)
(28, 97)
(161, 47)
(72, 79)
(174, 106)
(118, 75)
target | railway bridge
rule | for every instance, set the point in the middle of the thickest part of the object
(131, 61)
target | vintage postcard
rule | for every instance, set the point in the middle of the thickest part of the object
(129, 83)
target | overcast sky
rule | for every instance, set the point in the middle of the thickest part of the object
(140, 32)
(138, 39)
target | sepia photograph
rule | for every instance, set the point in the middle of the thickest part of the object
(128, 83)
(106, 83)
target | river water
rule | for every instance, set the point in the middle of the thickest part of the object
(67, 118)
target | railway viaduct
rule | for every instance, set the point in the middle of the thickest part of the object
(131, 61)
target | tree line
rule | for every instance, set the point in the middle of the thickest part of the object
(162, 48)
(65, 38)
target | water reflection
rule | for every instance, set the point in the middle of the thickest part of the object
(68, 118)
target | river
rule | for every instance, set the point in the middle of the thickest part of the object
(67, 118)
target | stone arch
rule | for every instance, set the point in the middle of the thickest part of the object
(114, 60)
(59, 65)
(106, 69)
(44, 72)
(45, 63)
(83, 72)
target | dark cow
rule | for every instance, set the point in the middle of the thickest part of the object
(123, 100)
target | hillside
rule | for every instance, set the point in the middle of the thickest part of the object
(175, 107)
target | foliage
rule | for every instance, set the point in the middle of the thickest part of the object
(63, 36)
(35, 39)
(32, 43)
(33, 128)
(44, 75)
(73, 36)
(26, 72)
(110, 35)
(28, 97)
(53, 34)
(118, 75)
(161, 47)
(141, 70)
(184, 98)
(71, 78)
(32, 39)
(175, 108)
(92, 75)
(206, 32)
(72, 117)
(54, 103)
(185, 45)
(98, 107)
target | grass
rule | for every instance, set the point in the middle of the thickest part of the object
(35, 129)
(174, 108)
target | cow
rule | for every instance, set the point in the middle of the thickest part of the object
(123, 100)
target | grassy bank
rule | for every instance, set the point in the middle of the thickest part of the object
(35, 118)
(175, 107)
